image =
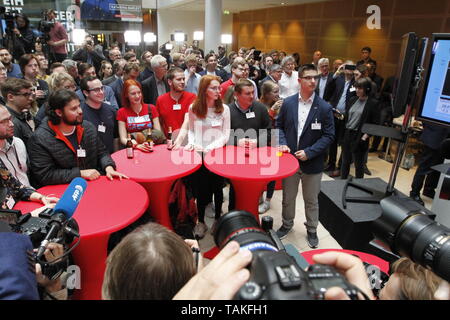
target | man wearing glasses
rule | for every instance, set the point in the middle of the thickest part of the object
(99, 113)
(306, 129)
(19, 97)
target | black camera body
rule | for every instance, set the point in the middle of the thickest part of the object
(274, 274)
(37, 229)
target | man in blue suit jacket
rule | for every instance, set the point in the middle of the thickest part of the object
(306, 130)
(211, 67)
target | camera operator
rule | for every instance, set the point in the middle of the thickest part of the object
(27, 281)
(58, 39)
(24, 36)
(88, 54)
(408, 280)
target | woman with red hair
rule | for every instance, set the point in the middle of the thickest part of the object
(209, 128)
(137, 118)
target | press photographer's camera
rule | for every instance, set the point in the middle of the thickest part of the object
(45, 25)
(38, 228)
(9, 18)
(274, 274)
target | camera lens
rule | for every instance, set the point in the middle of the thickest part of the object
(412, 233)
(241, 226)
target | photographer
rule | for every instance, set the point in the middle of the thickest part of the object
(58, 39)
(88, 54)
(24, 36)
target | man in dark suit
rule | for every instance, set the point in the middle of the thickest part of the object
(118, 66)
(342, 90)
(130, 71)
(211, 68)
(432, 137)
(156, 85)
(306, 130)
(324, 89)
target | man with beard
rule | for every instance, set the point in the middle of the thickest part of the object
(12, 69)
(66, 147)
(174, 105)
(19, 96)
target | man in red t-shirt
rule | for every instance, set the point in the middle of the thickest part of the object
(237, 72)
(58, 39)
(173, 105)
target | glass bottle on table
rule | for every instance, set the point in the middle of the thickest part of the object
(130, 151)
(169, 138)
(150, 140)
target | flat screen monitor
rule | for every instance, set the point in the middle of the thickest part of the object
(435, 104)
(405, 74)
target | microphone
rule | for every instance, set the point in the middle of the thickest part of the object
(64, 210)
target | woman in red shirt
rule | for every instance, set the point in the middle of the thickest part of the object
(136, 117)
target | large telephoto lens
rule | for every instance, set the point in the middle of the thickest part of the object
(242, 227)
(414, 234)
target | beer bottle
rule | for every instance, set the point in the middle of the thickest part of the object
(150, 140)
(169, 138)
(130, 151)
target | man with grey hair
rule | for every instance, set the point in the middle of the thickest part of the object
(156, 85)
(72, 69)
(324, 89)
(289, 79)
(275, 71)
(114, 54)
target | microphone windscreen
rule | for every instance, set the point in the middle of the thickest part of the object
(71, 198)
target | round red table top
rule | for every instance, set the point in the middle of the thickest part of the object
(106, 206)
(160, 165)
(264, 163)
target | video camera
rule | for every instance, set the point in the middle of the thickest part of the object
(9, 17)
(45, 25)
(38, 229)
(274, 274)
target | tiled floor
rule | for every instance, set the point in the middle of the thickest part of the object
(379, 168)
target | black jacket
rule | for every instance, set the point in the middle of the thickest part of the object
(369, 115)
(22, 129)
(53, 162)
(82, 56)
(150, 90)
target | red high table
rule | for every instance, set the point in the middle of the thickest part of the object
(250, 174)
(156, 171)
(107, 206)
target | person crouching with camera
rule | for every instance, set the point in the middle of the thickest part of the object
(359, 111)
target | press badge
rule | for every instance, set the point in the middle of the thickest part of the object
(177, 106)
(352, 89)
(10, 203)
(216, 123)
(250, 115)
(81, 153)
(316, 126)
(101, 128)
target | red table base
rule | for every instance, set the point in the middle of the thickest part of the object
(159, 193)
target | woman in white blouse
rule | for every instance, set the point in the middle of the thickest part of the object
(209, 128)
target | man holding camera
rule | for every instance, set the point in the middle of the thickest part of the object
(88, 54)
(58, 39)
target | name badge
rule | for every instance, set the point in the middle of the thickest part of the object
(250, 115)
(101, 128)
(10, 203)
(81, 153)
(177, 106)
(352, 89)
(216, 123)
(316, 126)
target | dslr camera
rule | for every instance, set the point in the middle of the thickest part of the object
(274, 274)
(9, 17)
(37, 228)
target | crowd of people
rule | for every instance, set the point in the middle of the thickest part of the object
(64, 119)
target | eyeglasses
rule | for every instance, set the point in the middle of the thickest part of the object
(102, 88)
(25, 94)
(70, 87)
(5, 121)
(214, 88)
(309, 78)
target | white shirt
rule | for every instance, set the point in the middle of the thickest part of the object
(322, 85)
(14, 157)
(192, 83)
(288, 84)
(303, 110)
(212, 132)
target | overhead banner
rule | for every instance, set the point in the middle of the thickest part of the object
(111, 10)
